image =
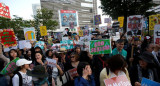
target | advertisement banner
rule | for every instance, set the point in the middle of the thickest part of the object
(100, 47)
(68, 16)
(4, 11)
(157, 34)
(147, 82)
(121, 21)
(8, 37)
(117, 81)
(134, 25)
(43, 30)
(153, 20)
(97, 19)
(29, 34)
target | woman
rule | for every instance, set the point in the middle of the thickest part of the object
(39, 58)
(21, 78)
(49, 53)
(27, 54)
(13, 54)
(72, 65)
(85, 78)
(116, 67)
(145, 68)
(78, 49)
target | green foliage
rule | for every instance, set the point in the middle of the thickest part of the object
(116, 8)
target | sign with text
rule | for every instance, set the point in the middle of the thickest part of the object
(67, 44)
(157, 34)
(121, 21)
(43, 30)
(4, 11)
(24, 44)
(80, 33)
(107, 20)
(29, 34)
(117, 81)
(9, 48)
(97, 19)
(73, 72)
(154, 20)
(147, 82)
(84, 42)
(100, 46)
(40, 44)
(51, 62)
(8, 38)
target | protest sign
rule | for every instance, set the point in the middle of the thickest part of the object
(100, 46)
(43, 30)
(157, 34)
(64, 38)
(24, 44)
(9, 48)
(147, 82)
(97, 19)
(117, 81)
(40, 44)
(134, 25)
(116, 37)
(56, 46)
(29, 34)
(153, 20)
(10, 67)
(51, 62)
(67, 44)
(103, 28)
(8, 38)
(73, 72)
(121, 21)
(107, 20)
(84, 42)
(50, 41)
(80, 33)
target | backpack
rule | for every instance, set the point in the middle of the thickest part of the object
(20, 79)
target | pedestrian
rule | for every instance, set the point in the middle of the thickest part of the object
(85, 75)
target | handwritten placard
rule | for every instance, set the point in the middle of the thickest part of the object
(73, 72)
(43, 30)
(51, 62)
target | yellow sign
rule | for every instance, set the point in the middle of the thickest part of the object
(121, 21)
(43, 30)
(80, 33)
(153, 20)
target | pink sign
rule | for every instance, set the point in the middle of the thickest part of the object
(117, 81)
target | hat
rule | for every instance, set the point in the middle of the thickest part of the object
(62, 50)
(38, 71)
(147, 57)
(21, 62)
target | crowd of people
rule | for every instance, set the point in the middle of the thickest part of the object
(130, 57)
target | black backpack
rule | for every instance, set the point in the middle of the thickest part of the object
(20, 79)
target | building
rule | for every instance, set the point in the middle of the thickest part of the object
(86, 9)
(35, 7)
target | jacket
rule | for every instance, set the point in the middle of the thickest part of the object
(80, 81)
(115, 52)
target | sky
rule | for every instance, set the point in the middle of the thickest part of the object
(21, 8)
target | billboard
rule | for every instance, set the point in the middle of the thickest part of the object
(67, 17)
(4, 10)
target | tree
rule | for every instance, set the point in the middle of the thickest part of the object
(116, 8)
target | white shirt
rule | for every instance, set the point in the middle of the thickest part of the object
(120, 73)
(27, 80)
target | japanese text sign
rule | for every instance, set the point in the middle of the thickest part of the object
(43, 30)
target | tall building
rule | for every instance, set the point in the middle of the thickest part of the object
(86, 9)
(35, 7)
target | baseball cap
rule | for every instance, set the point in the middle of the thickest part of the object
(21, 62)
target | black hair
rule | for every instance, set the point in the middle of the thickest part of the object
(11, 58)
(39, 48)
(120, 41)
(80, 67)
(116, 62)
(47, 53)
(43, 58)
(2, 64)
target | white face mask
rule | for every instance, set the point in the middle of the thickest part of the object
(34, 78)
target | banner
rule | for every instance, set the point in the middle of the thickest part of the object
(117, 81)
(157, 34)
(43, 30)
(68, 16)
(97, 19)
(24, 44)
(29, 33)
(8, 38)
(80, 33)
(100, 47)
(51, 62)
(107, 20)
(10, 67)
(40, 44)
(134, 25)
(4, 11)
(67, 44)
(153, 20)
(121, 21)
(147, 82)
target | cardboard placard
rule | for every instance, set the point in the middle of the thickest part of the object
(8, 38)
(9, 48)
(43, 30)
(121, 21)
(157, 34)
(24, 44)
(40, 44)
(67, 44)
(100, 46)
(117, 81)
(73, 72)
(29, 34)
(80, 33)
(147, 82)
(51, 62)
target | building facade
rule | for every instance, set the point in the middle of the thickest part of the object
(86, 9)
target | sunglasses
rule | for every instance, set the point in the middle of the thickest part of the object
(72, 56)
